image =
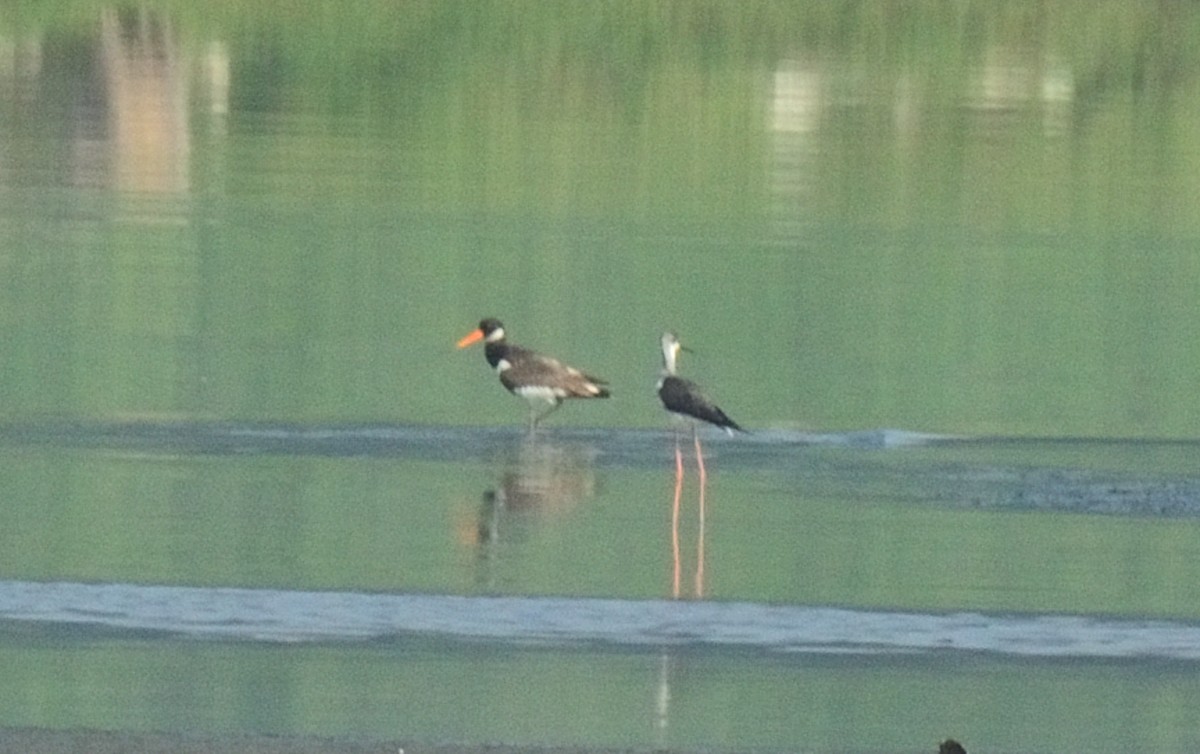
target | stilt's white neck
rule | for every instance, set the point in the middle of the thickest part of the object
(670, 351)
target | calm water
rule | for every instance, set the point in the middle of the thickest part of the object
(240, 458)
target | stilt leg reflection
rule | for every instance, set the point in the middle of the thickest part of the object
(662, 717)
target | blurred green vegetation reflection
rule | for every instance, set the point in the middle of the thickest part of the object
(978, 218)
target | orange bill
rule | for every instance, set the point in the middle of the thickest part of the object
(471, 337)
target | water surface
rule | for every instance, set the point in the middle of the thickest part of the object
(940, 260)
(886, 581)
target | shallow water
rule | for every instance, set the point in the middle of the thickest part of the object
(883, 583)
(248, 484)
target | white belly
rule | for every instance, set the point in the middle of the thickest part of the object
(541, 393)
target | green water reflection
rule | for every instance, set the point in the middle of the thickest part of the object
(978, 220)
(850, 527)
(858, 527)
(623, 699)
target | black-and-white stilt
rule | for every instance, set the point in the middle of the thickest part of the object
(685, 400)
(539, 379)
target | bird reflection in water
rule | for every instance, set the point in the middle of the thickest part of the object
(540, 478)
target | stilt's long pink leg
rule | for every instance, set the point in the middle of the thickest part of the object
(700, 535)
(675, 521)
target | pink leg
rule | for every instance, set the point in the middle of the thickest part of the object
(700, 535)
(675, 520)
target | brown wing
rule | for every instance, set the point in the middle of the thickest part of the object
(531, 368)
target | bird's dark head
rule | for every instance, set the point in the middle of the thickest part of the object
(490, 330)
(490, 325)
